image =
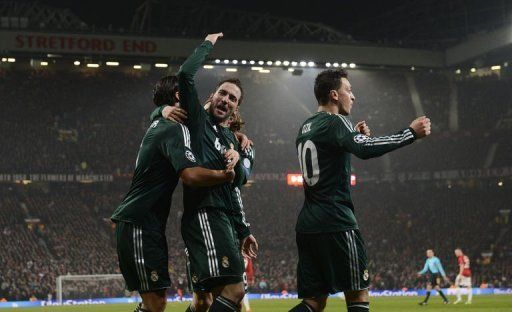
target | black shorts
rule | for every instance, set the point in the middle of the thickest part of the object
(434, 279)
(331, 263)
(213, 250)
(143, 258)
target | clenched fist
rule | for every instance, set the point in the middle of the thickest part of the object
(421, 126)
(362, 128)
(213, 37)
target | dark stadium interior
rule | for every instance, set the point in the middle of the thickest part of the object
(450, 190)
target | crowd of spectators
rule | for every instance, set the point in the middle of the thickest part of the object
(65, 230)
(92, 122)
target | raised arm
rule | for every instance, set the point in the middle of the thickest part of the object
(366, 147)
(189, 100)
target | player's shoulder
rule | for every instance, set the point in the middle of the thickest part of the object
(339, 120)
(317, 122)
(167, 127)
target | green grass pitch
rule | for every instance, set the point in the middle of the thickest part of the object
(501, 303)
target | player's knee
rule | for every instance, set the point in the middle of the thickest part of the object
(321, 305)
(317, 304)
(238, 294)
(203, 304)
(156, 304)
(357, 296)
(234, 292)
(202, 301)
(155, 301)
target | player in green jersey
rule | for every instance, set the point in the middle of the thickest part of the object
(210, 216)
(165, 156)
(332, 255)
(244, 146)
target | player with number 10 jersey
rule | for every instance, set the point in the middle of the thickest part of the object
(332, 255)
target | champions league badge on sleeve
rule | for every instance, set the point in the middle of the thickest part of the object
(360, 138)
(190, 156)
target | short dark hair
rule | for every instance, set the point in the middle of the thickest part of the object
(164, 92)
(237, 83)
(326, 81)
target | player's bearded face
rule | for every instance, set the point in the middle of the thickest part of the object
(345, 97)
(225, 101)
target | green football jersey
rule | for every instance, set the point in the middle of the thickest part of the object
(208, 140)
(165, 151)
(324, 144)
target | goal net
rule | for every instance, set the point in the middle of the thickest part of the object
(71, 287)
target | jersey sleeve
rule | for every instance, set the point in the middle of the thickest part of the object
(175, 146)
(247, 160)
(242, 170)
(425, 268)
(240, 174)
(440, 267)
(189, 99)
(366, 147)
(466, 261)
(242, 227)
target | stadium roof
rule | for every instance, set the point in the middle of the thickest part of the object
(417, 32)
(426, 24)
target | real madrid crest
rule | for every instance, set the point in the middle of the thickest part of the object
(194, 278)
(225, 262)
(154, 276)
(366, 275)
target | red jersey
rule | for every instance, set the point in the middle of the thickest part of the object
(464, 262)
(249, 270)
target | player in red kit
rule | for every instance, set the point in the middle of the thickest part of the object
(464, 277)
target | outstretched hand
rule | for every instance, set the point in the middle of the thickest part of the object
(214, 37)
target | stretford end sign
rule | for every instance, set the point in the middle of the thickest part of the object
(64, 43)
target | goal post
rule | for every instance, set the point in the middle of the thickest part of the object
(97, 281)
